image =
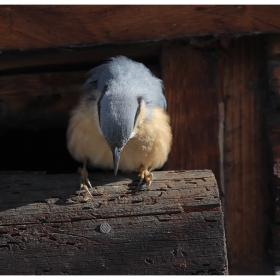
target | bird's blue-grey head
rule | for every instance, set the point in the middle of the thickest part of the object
(124, 85)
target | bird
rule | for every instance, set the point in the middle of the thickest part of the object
(121, 121)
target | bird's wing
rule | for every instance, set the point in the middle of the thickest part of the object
(95, 85)
(153, 93)
(158, 100)
(91, 82)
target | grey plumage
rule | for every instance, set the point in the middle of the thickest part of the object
(124, 85)
(127, 76)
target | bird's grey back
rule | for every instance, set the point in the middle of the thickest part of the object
(125, 75)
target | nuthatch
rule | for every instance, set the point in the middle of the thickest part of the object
(121, 122)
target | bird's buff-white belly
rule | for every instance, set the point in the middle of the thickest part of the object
(149, 146)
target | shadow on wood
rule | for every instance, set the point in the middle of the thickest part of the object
(174, 227)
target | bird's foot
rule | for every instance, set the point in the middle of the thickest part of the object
(84, 182)
(144, 173)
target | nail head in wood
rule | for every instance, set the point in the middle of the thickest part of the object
(105, 228)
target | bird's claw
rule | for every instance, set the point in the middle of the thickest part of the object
(144, 173)
(150, 180)
(84, 187)
(84, 182)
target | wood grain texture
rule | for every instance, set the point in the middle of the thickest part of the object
(247, 201)
(52, 26)
(273, 130)
(273, 46)
(37, 101)
(189, 80)
(274, 81)
(75, 58)
(174, 227)
(276, 243)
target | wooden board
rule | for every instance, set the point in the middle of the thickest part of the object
(37, 101)
(174, 227)
(247, 203)
(73, 59)
(53, 26)
(274, 81)
(276, 243)
(273, 46)
(273, 130)
(189, 80)
(272, 112)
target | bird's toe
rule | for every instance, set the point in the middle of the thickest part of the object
(144, 173)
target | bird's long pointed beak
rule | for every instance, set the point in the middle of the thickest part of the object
(116, 158)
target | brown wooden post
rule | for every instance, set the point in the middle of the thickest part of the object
(273, 130)
(189, 78)
(247, 201)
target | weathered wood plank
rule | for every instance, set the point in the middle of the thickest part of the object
(273, 46)
(276, 243)
(273, 129)
(73, 58)
(39, 100)
(189, 80)
(273, 124)
(174, 227)
(274, 82)
(53, 26)
(247, 202)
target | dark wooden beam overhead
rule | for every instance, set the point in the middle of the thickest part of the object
(41, 26)
(68, 58)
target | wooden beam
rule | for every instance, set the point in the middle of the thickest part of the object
(247, 201)
(73, 58)
(173, 227)
(273, 46)
(276, 244)
(42, 26)
(273, 130)
(38, 101)
(189, 77)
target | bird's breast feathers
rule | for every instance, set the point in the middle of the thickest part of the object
(149, 144)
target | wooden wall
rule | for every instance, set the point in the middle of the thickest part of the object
(273, 129)
(216, 98)
(218, 87)
(247, 196)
